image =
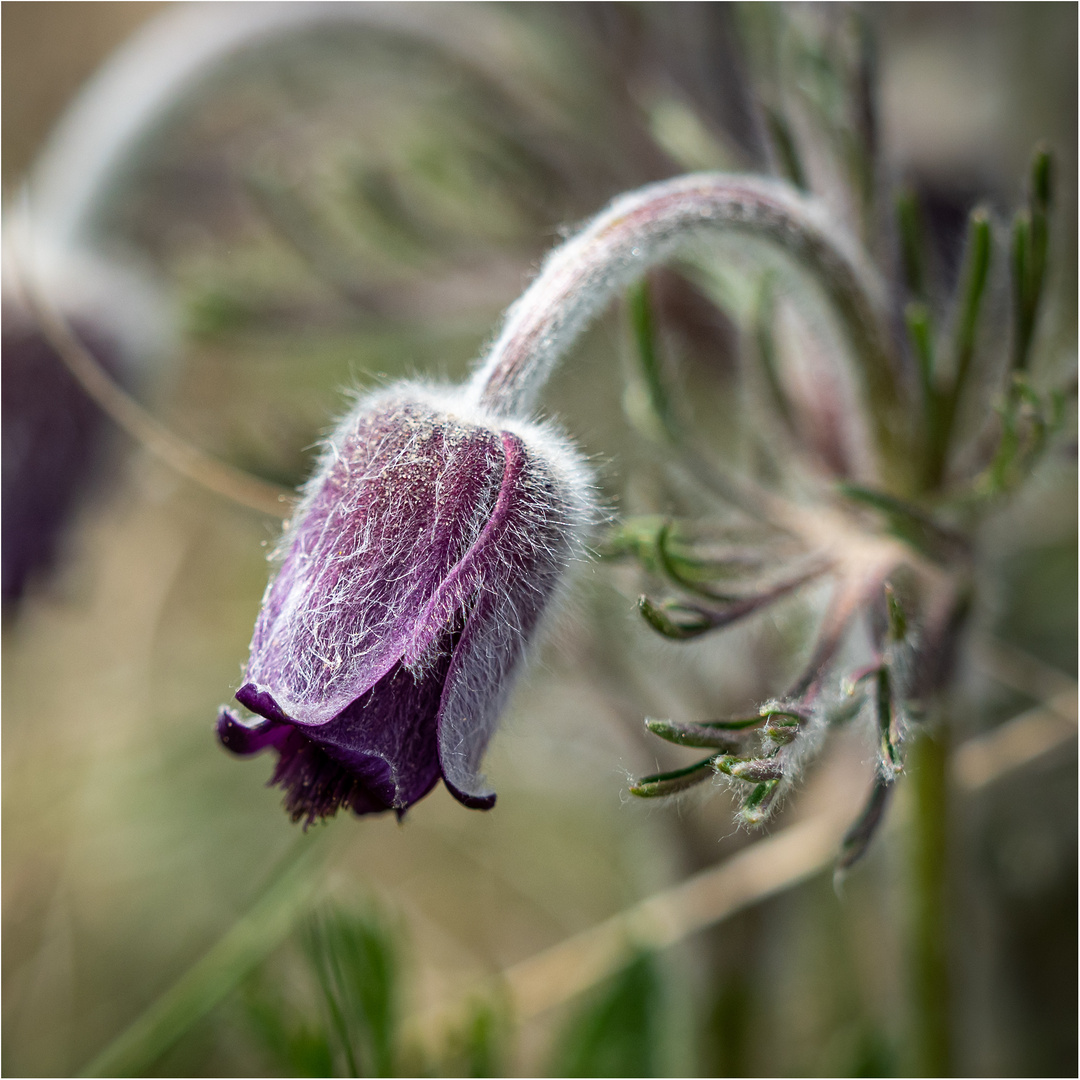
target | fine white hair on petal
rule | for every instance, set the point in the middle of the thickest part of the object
(404, 489)
(525, 570)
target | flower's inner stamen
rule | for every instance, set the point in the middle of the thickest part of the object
(316, 785)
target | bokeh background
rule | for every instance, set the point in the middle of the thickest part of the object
(358, 200)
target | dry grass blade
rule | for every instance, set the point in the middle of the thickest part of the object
(770, 866)
(206, 471)
(766, 867)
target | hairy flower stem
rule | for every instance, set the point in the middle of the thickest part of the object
(928, 945)
(645, 227)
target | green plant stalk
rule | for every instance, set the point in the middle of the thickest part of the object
(912, 245)
(243, 947)
(643, 326)
(928, 944)
(974, 276)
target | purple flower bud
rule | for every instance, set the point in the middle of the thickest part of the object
(415, 571)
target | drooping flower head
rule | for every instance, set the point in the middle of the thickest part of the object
(415, 572)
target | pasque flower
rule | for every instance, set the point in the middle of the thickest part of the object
(414, 573)
(439, 525)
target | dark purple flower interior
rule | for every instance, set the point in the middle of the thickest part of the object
(380, 753)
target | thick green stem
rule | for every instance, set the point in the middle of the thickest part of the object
(928, 945)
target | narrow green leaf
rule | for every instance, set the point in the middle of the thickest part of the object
(752, 770)
(694, 735)
(682, 571)
(783, 143)
(243, 947)
(921, 334)
(1041, 193)
(1042, 177)
(649, 362)
(857, 839)
(680, 622)
(618, 1030)
(671, 783)
(1030, 244)
(890, 749)
(912, 245)
(355, 961)
(973, 278)
(975, 273)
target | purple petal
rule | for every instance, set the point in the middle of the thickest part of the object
(514, 569)
(401, 495)
(393, 729)
(244, 739)
(379, 753)
(261, 702)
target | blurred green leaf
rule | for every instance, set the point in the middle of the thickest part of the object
(788, 160)
(479, 1047)
(355, 962)
(296, 1048)
(250, 940)
(921, 335)
(618, 1032)
(946, 402)
(653, 409)
(913, 256)
(671, 783)
(1030, 243)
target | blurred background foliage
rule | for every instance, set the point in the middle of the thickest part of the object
(359, 200)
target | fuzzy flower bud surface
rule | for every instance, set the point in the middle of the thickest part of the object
(428, 545)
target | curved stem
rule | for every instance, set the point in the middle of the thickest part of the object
(645, 227)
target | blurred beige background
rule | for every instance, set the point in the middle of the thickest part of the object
(48, 50)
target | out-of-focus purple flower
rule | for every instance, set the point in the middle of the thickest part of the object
(51, 436)
(415, 571)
